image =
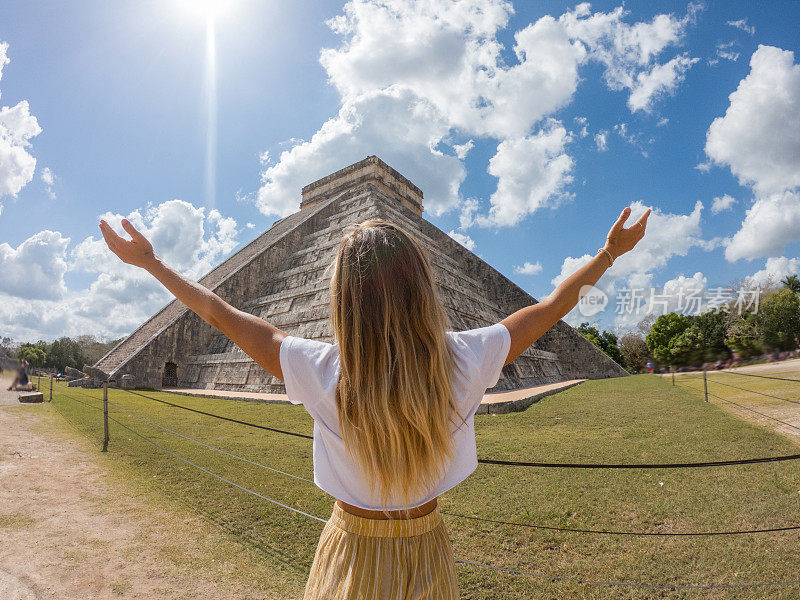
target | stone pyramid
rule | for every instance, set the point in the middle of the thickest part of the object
(279, 276)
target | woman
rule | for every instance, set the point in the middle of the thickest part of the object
(393, 401)
(21, 380)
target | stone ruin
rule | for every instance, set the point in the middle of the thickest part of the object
(279, 276)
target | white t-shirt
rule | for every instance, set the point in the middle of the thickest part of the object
(311, 371)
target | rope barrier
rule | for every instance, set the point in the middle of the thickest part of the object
(689, 465)
(753, 391)
(744, 407)
(511, 523)
(511, 463)
(628, 533)
(721, 586)
(220, 477)
(458, 560)
(761, 376)
(300, 435)
(754, 411)
(210, 447)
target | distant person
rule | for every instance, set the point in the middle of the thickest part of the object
(649, 366)
(393, 401)
(21, 380)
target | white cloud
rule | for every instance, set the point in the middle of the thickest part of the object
(658, 81)
(404, 128)
(532, 172)
(529, 268)
(462, 239)
(722, 203)
(628, 51)
(463, 149)
(769, 225)
(725, 51)
(468, 213)
(638, 298)
(759, 135)
(775, 270)
(35, 303)
(668, 235)
(584, 130)
(183, 235)
(17, 127)
(600, 139)
(48, 178)
(413, 75)
(251, 225)
(758, 138)
(447, 53)
(34, 269)
(742, 24)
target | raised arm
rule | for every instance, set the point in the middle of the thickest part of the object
(259, 339)
(528, 324)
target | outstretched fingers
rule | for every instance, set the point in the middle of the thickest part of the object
(112, 239)
(623, 216)
(641, 223)
(134, 233)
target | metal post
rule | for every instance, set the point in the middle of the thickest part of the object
(105, 416)
(673, 376)
(51, 388)
(39, 384)
(705, 384)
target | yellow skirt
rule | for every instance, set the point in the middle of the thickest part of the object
(376, 559)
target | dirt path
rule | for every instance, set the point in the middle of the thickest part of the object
(70, 529)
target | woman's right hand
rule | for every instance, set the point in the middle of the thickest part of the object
(621, 240)
(138, 251)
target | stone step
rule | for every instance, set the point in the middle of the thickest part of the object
(31, 397)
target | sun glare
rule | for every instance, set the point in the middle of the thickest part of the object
(210, 9)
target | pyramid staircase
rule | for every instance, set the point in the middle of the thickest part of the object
(280, 277)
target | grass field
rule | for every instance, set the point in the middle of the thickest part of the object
(636, 419)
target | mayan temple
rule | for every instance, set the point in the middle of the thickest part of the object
(279, 276)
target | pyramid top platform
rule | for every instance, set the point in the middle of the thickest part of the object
(372, 169)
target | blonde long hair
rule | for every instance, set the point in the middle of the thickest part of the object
(394, 394)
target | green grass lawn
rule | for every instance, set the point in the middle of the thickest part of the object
(635, 419)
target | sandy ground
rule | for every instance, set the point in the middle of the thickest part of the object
(72, 530)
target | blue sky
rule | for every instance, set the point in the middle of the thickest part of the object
(528, 127)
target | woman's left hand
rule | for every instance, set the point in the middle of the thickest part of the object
(621, 240)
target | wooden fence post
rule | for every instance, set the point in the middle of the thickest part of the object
(105, 416)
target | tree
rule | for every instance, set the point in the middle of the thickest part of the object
(791, 282)
(606, 341)
(635, 353)
(743, 335)
(664, 329)
(65, 352)
(713, 326)
(688, 347)
(779, 320)
(8, 347)
(34, 353)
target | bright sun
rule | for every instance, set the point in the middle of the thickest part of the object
(209, 9)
